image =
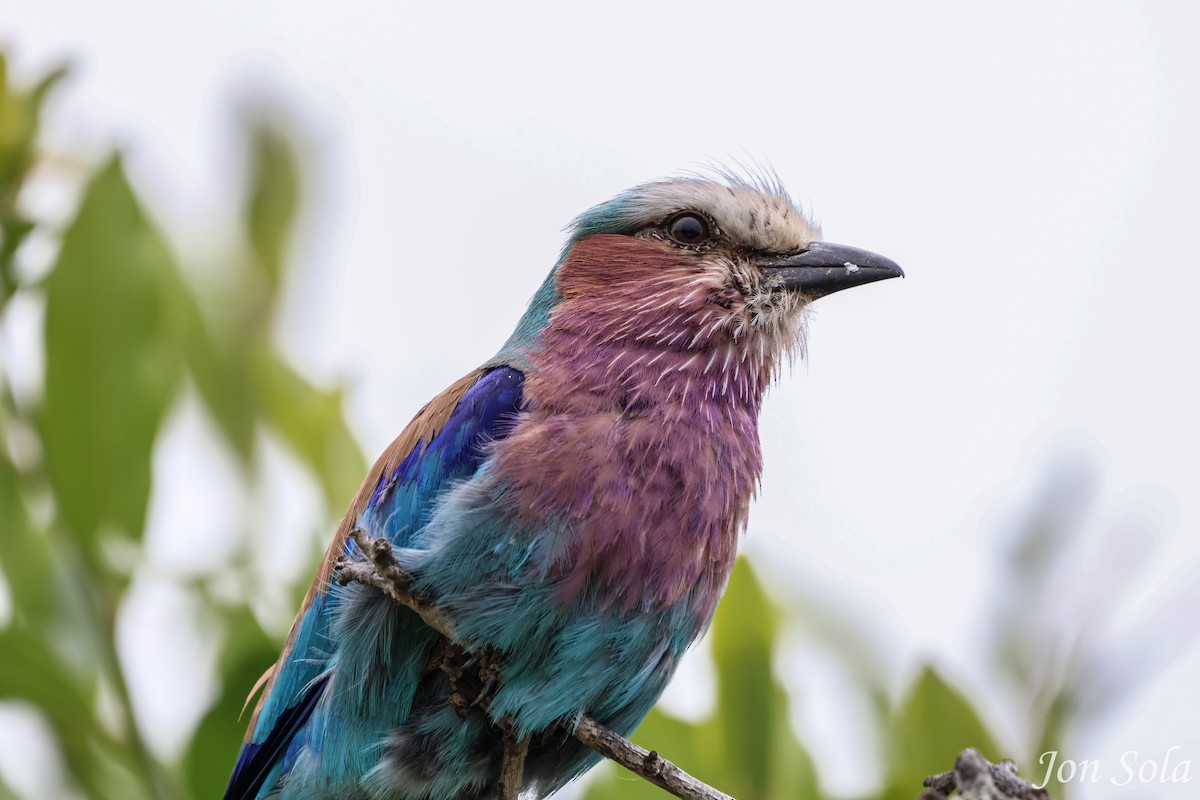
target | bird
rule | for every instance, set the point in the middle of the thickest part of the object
(574, 504)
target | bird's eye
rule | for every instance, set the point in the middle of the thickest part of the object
(688, 229)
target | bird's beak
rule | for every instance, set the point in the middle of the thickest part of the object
(824, 268)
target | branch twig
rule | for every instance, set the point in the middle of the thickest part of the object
(513, 768)
(381, 571)
(975, 778)
(647, 763)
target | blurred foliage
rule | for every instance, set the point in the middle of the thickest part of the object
(125, 336)
(19, 112)
(128, 330)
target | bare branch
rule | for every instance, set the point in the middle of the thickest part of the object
(393, 580)
(513, 768)
(975, 778)
(381, 571)
(646, 763)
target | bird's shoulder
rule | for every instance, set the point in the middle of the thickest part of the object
(442, 442)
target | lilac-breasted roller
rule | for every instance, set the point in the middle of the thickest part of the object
(574, 504)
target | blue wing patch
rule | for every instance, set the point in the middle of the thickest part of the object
(402, 502)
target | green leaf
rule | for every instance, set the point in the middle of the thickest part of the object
(24, 553)
(312, 422)
(930, 728)
(1057, 717)
(112, 361)
(273, 199)
(764, 758)
(220, 367)
(19, 116)
(13, 230)
(31, 672)
(742, 639)
(230, 325)
(246, 652)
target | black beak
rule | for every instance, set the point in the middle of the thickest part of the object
(824, 268)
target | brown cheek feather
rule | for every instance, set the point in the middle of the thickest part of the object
(602, 261)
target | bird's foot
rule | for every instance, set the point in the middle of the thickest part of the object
(474, 677)
(486, 693)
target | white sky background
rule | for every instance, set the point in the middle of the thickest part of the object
(1033, 166)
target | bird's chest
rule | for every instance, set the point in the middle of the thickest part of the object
(646, 506)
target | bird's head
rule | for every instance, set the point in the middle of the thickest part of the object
(695, 265)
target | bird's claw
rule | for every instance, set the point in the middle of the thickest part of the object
(472, 662)
(486, 693)
(474, 677)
